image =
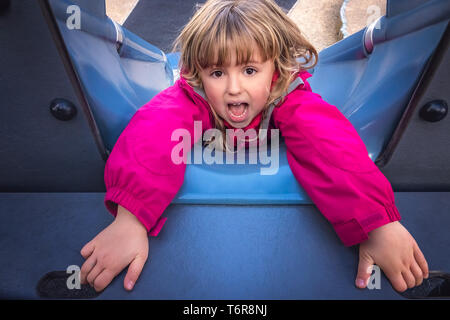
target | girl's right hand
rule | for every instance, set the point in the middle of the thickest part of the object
(124, 242)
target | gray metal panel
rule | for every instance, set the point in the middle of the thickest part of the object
(421, 150)
(38, 152)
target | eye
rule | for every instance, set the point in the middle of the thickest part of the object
(216, 74)
(250, 71)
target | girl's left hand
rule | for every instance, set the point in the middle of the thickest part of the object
(394, 250)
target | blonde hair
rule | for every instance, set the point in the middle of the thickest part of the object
(219, 26)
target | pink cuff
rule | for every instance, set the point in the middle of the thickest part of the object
(115, 196)
(357, 230)
(158, 226)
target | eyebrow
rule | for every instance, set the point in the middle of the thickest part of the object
(248, 62)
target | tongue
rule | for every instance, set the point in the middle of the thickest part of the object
(237, 110)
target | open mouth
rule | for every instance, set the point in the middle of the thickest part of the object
(237, 111)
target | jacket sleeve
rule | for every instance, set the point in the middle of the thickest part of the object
(139, 173)
(330, 161)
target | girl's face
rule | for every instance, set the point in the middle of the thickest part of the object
(238, 93)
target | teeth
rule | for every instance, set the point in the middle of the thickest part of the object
(238, 107)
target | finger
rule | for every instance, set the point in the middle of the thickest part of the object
(417, 273)
(104, 279)
(93, 274)
(87, 267)
(133, 273)
(409, 278)
(87, 250)
(421, 261)
(365, 267)
(397, 281)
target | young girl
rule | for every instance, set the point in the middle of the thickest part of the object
(239, 69)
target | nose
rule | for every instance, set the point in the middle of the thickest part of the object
(234, 84)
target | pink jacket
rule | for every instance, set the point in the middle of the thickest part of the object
(324, 152)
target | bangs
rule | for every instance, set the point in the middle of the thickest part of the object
(222, 30)
(230, 33)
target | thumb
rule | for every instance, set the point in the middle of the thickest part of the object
(133, 273)
(365, 267)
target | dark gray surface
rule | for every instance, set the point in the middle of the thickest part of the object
(209, 252)
(159, 22)
(421, 158)
(38, 152)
